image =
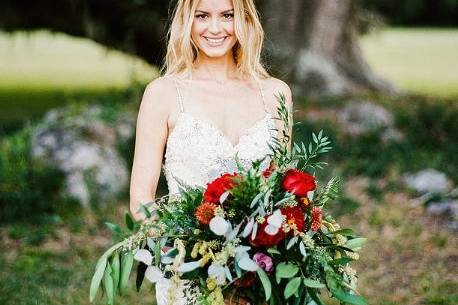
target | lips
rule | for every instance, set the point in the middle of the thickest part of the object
(215, 41)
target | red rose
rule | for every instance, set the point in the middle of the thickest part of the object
(218, 186)
(294, 215)
(298, 183)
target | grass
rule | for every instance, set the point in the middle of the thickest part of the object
(43, 60)
(409, 258)
(417, 60)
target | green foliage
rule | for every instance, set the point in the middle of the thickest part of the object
(29, 189)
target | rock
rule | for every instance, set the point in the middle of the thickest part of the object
(83, 145)
(427, 181)
(362, 117)
(448, 209)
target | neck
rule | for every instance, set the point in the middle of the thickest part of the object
(215, 68)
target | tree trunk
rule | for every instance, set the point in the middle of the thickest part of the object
(312, 44)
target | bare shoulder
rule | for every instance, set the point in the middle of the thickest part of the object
(272, 87)
(159, 92)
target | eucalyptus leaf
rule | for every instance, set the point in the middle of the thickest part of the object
(256, 199)
(292, 286)
(273, 251)
(97, 277)
(127, 261)
(114, 228)
(291, 242)
(108, 284)
(313, 283)
(285, 270)
(99, 270)
(302, 249)
(345, 232)
(356, 243)
(116, 270)
(265, 283)
(129, 222)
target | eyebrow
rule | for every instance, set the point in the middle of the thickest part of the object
(224, 12)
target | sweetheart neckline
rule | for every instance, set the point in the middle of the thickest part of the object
(216, 129)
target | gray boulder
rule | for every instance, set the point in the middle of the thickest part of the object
(362, 117)
(427, 181)
(83, 145)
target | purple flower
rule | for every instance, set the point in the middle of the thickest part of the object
(264, 261)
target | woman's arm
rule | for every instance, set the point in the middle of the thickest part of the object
(150, 139)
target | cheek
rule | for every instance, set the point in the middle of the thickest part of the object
(230, 29)
(197, 30)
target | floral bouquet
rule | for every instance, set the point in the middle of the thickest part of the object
(262, 234)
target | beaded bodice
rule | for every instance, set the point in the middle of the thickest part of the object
(198, 152)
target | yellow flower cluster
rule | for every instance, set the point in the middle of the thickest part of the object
(216, 295)
(340, 240)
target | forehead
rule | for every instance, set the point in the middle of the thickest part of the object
(214, 5)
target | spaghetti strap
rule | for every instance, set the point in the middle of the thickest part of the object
(180, 98)
(262, 95)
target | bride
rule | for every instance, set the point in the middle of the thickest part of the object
(214, 102)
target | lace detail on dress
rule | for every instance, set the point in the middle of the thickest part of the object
(198, 152)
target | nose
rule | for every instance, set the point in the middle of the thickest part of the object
(215, 26)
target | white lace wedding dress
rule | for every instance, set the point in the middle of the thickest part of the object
(198, 152)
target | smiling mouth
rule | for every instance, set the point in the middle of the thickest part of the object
(215, 41)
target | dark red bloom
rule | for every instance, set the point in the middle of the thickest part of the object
(294, 215)
(264, 239)
(246, 281)
(205, 212)
(317, 218)
(298, 183)
(218, 186)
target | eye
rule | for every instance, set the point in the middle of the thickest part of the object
(201, 16)
(228, 16)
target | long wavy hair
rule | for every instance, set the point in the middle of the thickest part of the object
(182, 51)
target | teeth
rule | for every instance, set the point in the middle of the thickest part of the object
(215, 40)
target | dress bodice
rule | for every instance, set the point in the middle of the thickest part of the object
(198, 152)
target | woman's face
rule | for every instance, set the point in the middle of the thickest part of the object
(213, 27)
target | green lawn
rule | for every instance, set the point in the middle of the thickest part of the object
(423, 61)
(43, 60)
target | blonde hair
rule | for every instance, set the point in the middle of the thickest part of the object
(182, 51)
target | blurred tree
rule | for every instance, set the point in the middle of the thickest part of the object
(311, 44)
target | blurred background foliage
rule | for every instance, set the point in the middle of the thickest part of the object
(411, 255)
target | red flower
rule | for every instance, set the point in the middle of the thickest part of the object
(294, 215)
(218, 186)
(298, 183)
(205, 212)
(264, 239)
(267, 172)
(246, 281)
(317, 218)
